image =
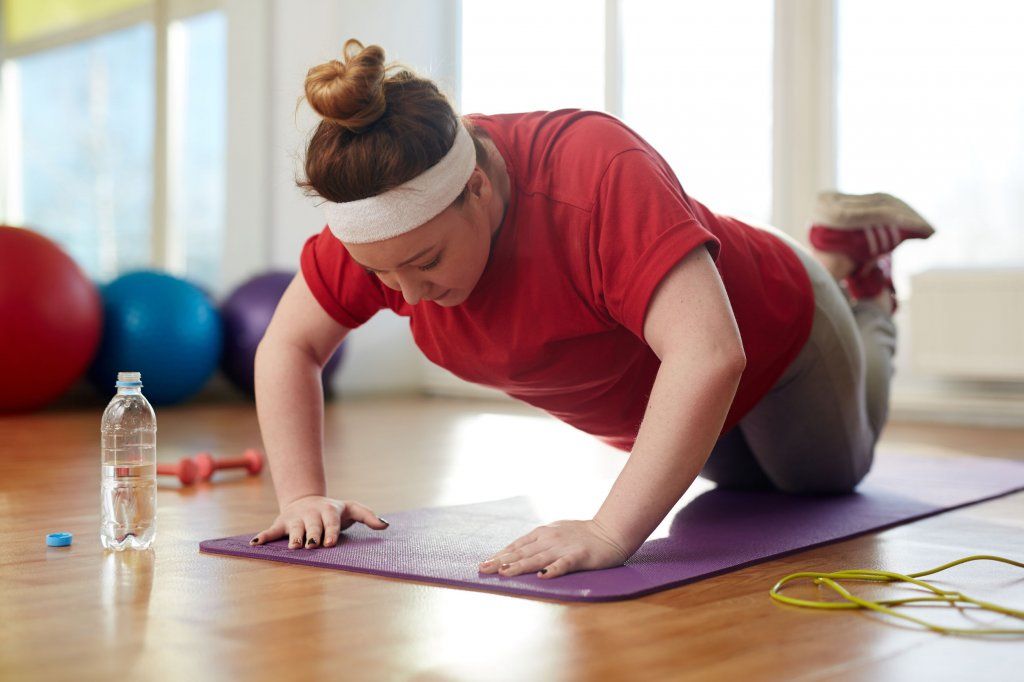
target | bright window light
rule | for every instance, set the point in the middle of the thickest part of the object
(85, 114)
(532, 56)
(196, 145)
(697, 84)
(931, 110)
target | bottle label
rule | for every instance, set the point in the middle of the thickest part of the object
(132, 471)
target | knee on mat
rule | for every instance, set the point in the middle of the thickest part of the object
(738, 479)
(834, 483)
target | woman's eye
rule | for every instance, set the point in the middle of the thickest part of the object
(431, 264)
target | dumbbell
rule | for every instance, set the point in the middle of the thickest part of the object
(186, 470)
(251, 459)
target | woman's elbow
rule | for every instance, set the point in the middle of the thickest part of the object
(729, 360)
(729, 367)
(737, 360)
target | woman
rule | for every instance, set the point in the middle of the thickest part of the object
(555, 256)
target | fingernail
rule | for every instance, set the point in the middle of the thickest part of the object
(310, 541)
(504, 566)
(254, 541)
(543, 570)
(383, 521)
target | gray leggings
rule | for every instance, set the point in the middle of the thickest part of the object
(815, 430)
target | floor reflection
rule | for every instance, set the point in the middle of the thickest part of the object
(125, 587)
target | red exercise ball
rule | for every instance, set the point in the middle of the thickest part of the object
(51, 318)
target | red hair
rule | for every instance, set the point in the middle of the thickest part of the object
(382, 126)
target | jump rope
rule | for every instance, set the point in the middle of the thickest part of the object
(953, 599)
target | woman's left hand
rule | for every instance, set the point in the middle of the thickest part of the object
(560, 547)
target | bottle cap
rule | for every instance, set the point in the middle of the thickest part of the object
(58, 539)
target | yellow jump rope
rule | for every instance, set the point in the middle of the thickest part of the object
(953, 599)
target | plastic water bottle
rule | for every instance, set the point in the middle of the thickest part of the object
(128, 468)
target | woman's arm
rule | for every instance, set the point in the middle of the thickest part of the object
(300, 339)
(691, 327)
(290, 404)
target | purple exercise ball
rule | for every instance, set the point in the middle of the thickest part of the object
(246, 314)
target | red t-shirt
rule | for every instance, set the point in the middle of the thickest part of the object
(596, 219)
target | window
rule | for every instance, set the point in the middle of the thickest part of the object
(928, 111)
(531, 56)
(196, 144)
(697, 84)
(81, 174)
(694, 79)
(80, 91)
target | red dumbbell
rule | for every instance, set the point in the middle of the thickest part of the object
(186, 470)
(251, 459)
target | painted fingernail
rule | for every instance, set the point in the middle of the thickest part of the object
(383, 521)
(254, 541)
(543, 571)
(310, 541)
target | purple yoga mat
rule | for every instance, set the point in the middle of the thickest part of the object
(714, 532)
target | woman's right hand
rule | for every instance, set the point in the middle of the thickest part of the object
(314, 517)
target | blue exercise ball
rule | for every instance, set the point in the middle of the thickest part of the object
(160, 325)
(247, 313)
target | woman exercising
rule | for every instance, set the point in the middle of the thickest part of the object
(555, 256)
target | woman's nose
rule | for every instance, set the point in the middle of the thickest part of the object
(412, 290)
(411, 297)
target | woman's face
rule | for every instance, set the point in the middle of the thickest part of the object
(441, 260)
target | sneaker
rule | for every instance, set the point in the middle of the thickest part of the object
(864, 226)
(872, 279)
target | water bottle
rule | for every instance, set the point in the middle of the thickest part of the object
(128, 467)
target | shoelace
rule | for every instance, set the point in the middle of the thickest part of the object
(953, 599)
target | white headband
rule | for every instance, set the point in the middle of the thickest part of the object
(409, 205)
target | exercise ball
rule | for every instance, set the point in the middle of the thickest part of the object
(160, 325)
(247, 313)
(51, 317)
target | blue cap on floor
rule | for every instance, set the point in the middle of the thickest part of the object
(58, 539)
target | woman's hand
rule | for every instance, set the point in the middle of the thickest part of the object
(316, 517)
(558, 548)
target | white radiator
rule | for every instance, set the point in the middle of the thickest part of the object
(968, 324)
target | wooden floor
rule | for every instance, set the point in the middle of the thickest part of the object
(80, 613)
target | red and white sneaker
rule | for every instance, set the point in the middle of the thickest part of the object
(864, 226)
(873, 278)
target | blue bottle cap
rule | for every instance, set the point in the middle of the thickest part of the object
(58, 539)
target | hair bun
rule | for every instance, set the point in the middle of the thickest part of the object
(349, 93)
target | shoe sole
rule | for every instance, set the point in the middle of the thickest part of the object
(859, 211)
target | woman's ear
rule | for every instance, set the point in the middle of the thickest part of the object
(479, 185)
